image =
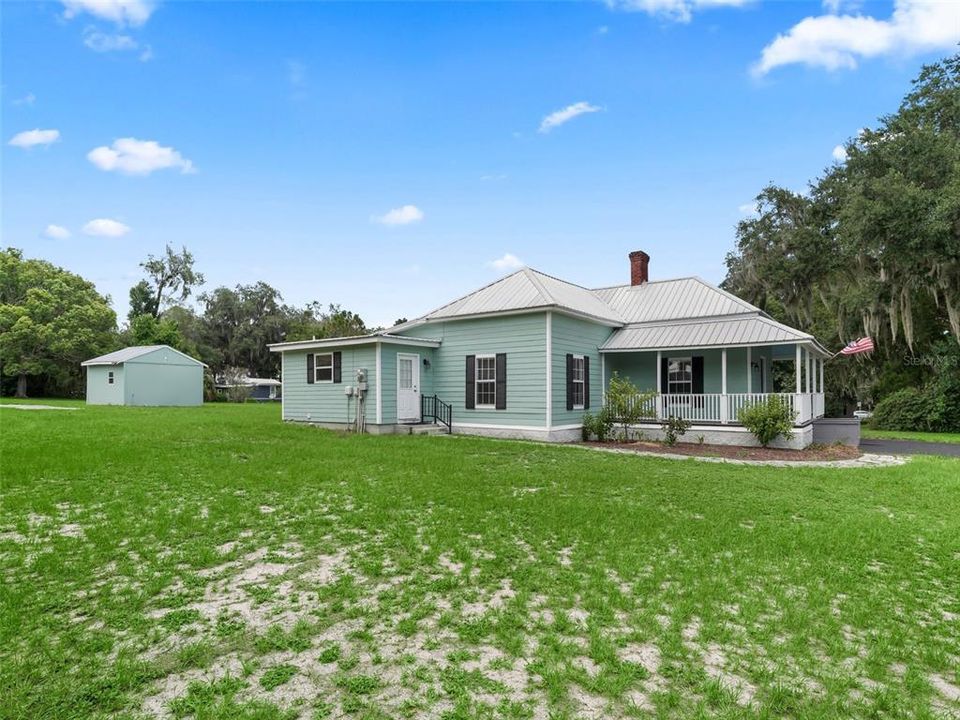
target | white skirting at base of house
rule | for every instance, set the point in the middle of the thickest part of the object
(565, 433)
(371, 429)
(712, 434)
(730, 435)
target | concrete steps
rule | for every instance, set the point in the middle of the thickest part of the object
(426, 429)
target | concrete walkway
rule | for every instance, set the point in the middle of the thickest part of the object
(864, 461)
(910, 447)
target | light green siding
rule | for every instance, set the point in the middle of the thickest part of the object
(641, 368)
(388, 370)
(326, 402)
(99, 389)
(577, 337)
(162, 377)
(521, 337)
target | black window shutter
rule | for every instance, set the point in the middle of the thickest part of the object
(470, 401)
(311, 376)
(337, 367)
(698, 374)
(664, 369)
(569, 381)
(586, 383)
(501, 387)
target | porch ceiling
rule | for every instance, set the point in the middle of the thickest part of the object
(741, 330)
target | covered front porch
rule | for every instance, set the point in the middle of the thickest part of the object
(711, 385)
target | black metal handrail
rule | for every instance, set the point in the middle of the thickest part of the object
(440, 412)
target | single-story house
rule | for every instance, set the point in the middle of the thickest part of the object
(144, 375)
(261, 389)
(529, 354)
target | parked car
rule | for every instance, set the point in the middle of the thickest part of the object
(862, 414)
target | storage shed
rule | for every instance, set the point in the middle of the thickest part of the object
(144, 375)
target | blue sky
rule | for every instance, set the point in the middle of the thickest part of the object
(275, 139)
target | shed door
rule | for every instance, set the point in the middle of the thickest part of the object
(408, 388)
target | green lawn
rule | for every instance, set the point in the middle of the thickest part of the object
(905, 435)
(216, 563)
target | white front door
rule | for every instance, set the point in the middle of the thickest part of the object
(408, 388)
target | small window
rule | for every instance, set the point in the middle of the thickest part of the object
(680, 376)
(486, 381)
(323, 367)
(578, 382)
(110, 378)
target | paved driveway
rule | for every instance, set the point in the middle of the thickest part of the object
(909, 447)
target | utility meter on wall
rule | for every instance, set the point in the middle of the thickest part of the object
(361, 378)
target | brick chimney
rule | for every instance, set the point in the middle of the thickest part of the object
(639, 267)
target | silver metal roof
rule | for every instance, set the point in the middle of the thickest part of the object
(118, 357)
(751, 329)
(527, 289)
(688, 297)
(685, 312)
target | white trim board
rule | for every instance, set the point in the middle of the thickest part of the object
(345, 342)
(379, 392)
(549, 369)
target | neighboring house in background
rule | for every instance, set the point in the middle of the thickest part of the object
(144, 375)
(260, 388)
(527, 355)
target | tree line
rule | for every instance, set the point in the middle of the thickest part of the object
(871, 248)
(51, 320)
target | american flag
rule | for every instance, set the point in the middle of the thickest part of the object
(862, 345)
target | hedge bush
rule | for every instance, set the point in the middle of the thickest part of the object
(935, 408)
(768, 419)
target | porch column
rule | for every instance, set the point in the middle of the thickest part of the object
(797, 363)
(749, 371)
(723, 385)
(657, 397)
(809, 372)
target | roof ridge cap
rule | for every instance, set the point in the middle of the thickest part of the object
(531, 275)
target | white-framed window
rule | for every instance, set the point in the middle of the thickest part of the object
(578, 382)
(110, 377)
(323, 367)
(486, 381)
(680, 376)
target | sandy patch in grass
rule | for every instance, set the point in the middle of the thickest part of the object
(715, 662)
(565, 557)
(72, 530)
(497, 601)
(945, 688)
(447, 562)
(646, 656)
(590, 705)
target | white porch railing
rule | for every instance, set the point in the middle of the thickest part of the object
(723, 409)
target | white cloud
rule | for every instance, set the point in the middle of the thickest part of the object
(749, 208)
(839, 153)
(508, 262)
(121, 12)
(103, 42)
(558, 118)
(138, 157)
(493, 177)
(404, 215)
(56, 232)
(834, 41)
(676, 10)
(602, 30)
(105, 227)
(29, 138)
(29, 99)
